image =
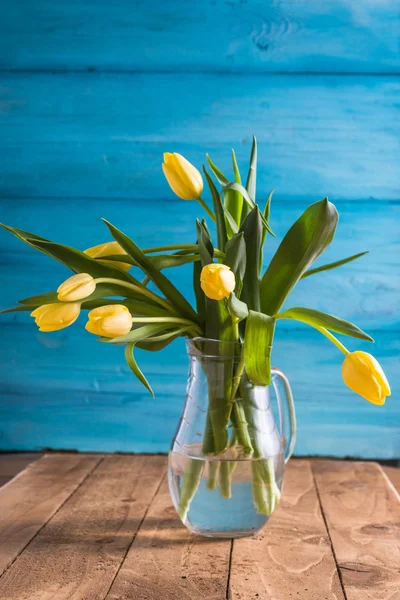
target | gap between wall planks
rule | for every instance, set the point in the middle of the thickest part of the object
(119, 537)
(255, 36)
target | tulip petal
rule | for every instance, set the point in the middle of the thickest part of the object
(176, 184)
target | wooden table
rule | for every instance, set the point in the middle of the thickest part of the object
(94, 527)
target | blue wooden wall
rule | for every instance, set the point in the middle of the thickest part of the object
(93, 92)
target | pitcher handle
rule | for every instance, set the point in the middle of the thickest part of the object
(292, 413)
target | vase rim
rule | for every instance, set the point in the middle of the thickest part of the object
(194, 350)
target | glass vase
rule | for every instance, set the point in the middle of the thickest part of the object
(227, 458)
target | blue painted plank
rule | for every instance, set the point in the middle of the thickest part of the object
(95, 404)
(366, 291)
(103, 135)
(258, 36)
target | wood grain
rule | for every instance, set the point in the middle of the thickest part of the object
(78, 553)
(166, 561)
(333, 35)
(292, 557)
(32, 498)
(362, 514)
(12, 464)
(103, 135)
(394, 476)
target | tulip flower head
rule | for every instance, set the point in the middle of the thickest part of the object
(184, 179)
(109, 321)
(364, 375)
(217, 281)
(52, 317)
(76, 287)
(108, 249)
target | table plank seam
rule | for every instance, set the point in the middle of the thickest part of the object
(101, 458)
(228, 580)
(328, 533)
(135, 535)
(389, 482)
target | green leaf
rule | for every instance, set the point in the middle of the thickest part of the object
(251, 178)
(231, 223)
(130, 359)
(24, 308)
(257, 347)
(237, 308)
(251, 204)
(305, 241)
(266, 214)
(334, 265)
(252, 174)
(140, 333)
(158, 278)
(235, 259)
(252, 229)
(233, 200)
(79, 262)
(167, 261)
(218, 174)
(219, 212)
(159, 342)
(317, 319)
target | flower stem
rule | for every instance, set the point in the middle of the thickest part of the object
(208, 210)
(177, 320)
(140, 290)
(334, 340)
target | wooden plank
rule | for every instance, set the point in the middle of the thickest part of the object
(166, 561)
(32, 498)
(292, 557)
(80, 550)
(394, 476)
(103, 135)
(12, 464)
(362, 513)
(334, 35)
(103, 407)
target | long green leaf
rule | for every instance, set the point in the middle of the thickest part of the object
(158, 278)
(159, 342)
(249, 201)
(251, 178)
(138, 334)
(316, 318)
(79, 262)
(233, 200)
(130, 359)
(266, 215)
(219, 212)
(305, 241)
(252, 229)
(218, 174)
(231, 224)
(235, 258)
(237, 308)
(334, 265)
(258, 346)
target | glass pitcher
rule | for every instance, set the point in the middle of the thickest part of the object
(227, 458)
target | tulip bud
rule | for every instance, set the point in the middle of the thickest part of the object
(108, 249)
(76, 287)
(52, 317)
(184, 179)
(217, 281)
(109, 321)
(363, 374)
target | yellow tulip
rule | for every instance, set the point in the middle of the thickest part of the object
(52, 317)
(183, 178)
(364, 375)
(217, 281)
(108, 249)
(110, 321)
(76, 287)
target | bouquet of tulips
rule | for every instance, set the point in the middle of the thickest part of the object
(235, 299)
